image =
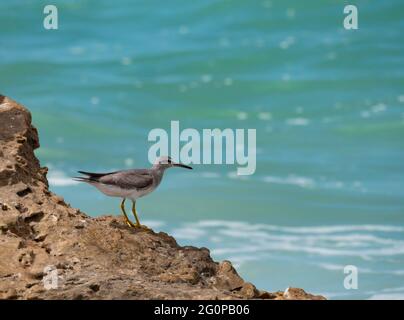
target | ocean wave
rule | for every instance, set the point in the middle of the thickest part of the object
(382, 294)
(57, 178)
(154, 223)
(303, 182)
(297, 122)
(362, 270)
(209, 175)
(388, 296)
(297, 229)
(188, 233)
(358, 241)
(310, 183)
(340, 268)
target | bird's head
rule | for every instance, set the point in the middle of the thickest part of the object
(166, 162)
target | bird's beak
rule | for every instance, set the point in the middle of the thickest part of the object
(181, 165)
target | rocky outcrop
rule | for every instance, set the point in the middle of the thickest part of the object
(49, 250)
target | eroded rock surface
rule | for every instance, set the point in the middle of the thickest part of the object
(49, 250)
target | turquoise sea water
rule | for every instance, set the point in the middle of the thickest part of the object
(327, 104)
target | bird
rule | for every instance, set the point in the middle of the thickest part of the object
(130, 184)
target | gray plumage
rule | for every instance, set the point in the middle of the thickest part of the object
(130, 184)
(125, 179)
(133, 183)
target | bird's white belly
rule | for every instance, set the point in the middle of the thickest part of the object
(114, 191)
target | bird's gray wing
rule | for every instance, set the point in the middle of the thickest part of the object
(129, 179)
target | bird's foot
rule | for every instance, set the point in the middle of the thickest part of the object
(142, 227)
(130, 224)
(137, 226)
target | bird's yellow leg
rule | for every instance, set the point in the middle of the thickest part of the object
(128, 222)
(138, 225)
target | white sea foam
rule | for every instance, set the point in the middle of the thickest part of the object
(380, 107)
(154, 224)
(340, 268)
(343, 228)
(297, 122)
(228, 81)
(242, 115)
(287, 42)
(206, 78)
(188, 233)
(129, 162)
(397, 272)
(58, 178)
(76, 50)
(238, 260)
(303, 182)
(375, 109)
(210, 175)
(264, 116)
(356, 241)
(387, 296)
(308, 182)
(296, 229)
(331, 267)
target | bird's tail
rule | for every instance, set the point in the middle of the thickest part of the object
(91, 176)
(85, 179)
(81, 179)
